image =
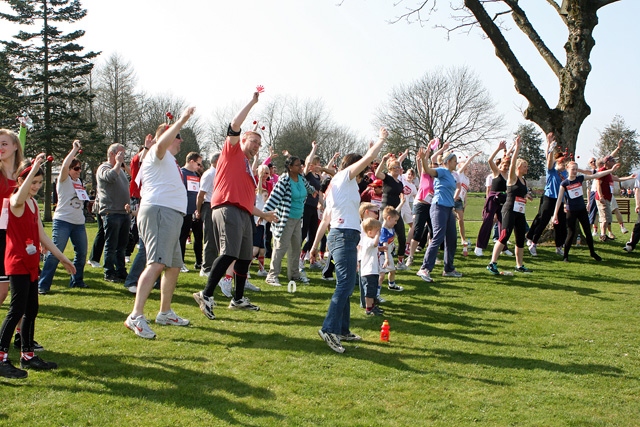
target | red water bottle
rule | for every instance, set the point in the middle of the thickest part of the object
(384, 331)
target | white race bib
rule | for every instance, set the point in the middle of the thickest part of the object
(428, 198)
(193, 183)
(4, 217)
(575, 190)
(463, 191)
(81, 192)
(519, 204)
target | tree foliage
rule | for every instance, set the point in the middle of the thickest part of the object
(448, 104)
(578, 17)
(532, 151)
(629, 154)
(9, 95)
(48, 66)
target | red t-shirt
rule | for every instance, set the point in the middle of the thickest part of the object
(134, 190)
(606, 182)
(19, 231)
(234, 183)
(6, 187)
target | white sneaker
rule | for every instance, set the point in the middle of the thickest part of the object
(133, 289)
(507, 252)
(532, 250)
(140, 326)
(184, 269)
(477, 251)
(93, 264)
(302, 279)
(408, 261)
(226, 286)
(204, 273)
(560, 251)
(250, 286)
(243, 304)
(171, 318)
(301, 263)
(401, 266)
(623, 230)
(332, 340)
(263, 273)
(273, 281)
(628, 247)
(205, 303)
(424, 275)
(127, 259)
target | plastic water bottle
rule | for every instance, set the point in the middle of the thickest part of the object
(578, 240)
(384, 331)
(465, 249)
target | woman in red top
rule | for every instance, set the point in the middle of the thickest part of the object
(25, 234)
(11, 156)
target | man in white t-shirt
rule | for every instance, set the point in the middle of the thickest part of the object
(203, 211)
(160, 218)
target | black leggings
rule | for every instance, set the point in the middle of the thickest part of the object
(219, 269)
(581, 216)
(309, 226)
(24, 306)
(513, 221)
(545, 212)
(189, 224)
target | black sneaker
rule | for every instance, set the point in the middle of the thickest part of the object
(38, 364)
(78, 285)
(17, 343)
(375, 311)
(7, 370)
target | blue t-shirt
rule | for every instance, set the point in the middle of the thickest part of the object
(554, 178)
(444, 187)
(298, 197)
(386, 236)
(573, 194)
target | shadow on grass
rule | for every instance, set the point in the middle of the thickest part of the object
(525, 363)
(180, 387)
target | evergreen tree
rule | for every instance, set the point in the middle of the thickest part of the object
(629, 154)
(9, 94)
(48, 66)
(531, 150)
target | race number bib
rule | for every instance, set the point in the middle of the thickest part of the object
(574, 190)
(81, 192)
(428, 198)
(4, 217)
(193, 183)
(519, 204)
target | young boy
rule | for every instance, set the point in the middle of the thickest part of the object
(258, 233)
(390, 217)
(369, 268)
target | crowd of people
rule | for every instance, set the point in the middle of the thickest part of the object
(240, 210)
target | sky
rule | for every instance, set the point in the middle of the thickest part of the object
(347, 53)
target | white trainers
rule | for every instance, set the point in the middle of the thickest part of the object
(623, 230)
(226, 286)
(409, 261)
(184, 269)
(559, 251)
(93, 264)
(424, 275)
(250, 286)
(127, 259)
(133, 289)
(507, 252)
(263, 273)
(140, 326)
(171, 319)
(204, 273)
(401, 266)
(477, 251)
(273, 281)
(332, 340)
(243, 304)
(627, 247)
(532, 250)
(205, 303)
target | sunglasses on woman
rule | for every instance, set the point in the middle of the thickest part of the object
(77, 168)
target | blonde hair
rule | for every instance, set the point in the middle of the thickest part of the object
(18, 155)
(390, 211)
(369, 224)
(365, 206)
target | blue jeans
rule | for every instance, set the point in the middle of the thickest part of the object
(138, 266)
(444, 230)
(61, 233)
(116, 237)
(343, 246)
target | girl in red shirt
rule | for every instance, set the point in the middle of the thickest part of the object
(25, 234)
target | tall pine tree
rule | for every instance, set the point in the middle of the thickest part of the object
(9, 95)
(531, 151)
(48, 66)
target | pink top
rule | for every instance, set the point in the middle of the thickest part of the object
(426, 186)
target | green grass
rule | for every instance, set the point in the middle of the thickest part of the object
(558, 347)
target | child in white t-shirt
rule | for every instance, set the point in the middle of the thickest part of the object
(390, 217)
(369, 269)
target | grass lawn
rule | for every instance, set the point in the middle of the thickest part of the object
(558, 347)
